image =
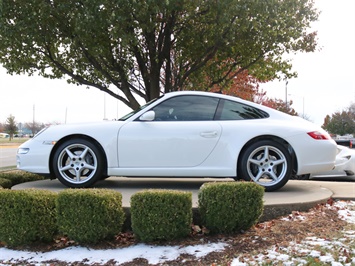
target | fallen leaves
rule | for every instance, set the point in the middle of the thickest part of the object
(317, 235)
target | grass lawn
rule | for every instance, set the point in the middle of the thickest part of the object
(14, 141)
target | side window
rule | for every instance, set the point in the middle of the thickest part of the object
(230, 110)
(186, 108)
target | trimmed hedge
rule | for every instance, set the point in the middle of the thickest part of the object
(27, 216)
(17, 177)
(5, 183)
(227, 207)
(161, 214)
(90, 215)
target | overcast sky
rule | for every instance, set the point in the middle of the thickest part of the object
(325, 82)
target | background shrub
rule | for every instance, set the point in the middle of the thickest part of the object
(230, 206)
(27, 216)
(161, 214)
(90, 215)
(5, 183)
(18, 177)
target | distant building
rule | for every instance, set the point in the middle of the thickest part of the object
(4, 135)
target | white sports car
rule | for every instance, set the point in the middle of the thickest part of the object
(183, 134)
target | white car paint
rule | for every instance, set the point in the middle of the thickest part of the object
(165, 144)
(212, 148)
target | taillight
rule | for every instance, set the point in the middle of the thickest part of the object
(318, 135)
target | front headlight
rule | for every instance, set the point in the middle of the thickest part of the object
(23, 150)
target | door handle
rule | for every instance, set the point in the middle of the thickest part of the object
(209, 134)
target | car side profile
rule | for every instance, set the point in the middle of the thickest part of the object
(183, 134)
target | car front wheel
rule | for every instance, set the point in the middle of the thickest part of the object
(267, 163)
(78, 163)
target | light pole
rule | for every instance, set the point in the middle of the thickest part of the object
(302, 102)
(286, 95)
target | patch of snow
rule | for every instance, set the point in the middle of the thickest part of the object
(295, 253)
(153, 254)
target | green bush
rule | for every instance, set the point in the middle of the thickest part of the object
(18, 177)
(227, 207)
(90, 215)
(161, 214)
(5, 183)
(27, 216)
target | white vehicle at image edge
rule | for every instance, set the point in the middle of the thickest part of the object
(344, 166)
(183, 134)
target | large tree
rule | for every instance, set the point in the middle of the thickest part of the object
(148, 47)
(280, 105)
(35, 127)
(341, 122)
(243, 85)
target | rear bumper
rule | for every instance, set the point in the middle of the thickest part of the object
(314, 156)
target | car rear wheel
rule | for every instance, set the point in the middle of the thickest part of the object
(267, 163)
(78, 163)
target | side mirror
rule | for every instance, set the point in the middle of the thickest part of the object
(148, 116)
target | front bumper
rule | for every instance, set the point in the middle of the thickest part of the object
(37, 158)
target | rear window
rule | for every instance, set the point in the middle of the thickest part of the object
(229, 110)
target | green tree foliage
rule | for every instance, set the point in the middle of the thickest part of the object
(10, 126)
(341, 123)
(247, 87)
(145, 48)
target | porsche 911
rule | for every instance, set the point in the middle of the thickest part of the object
(183, 134)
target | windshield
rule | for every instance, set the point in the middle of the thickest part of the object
(125, 117)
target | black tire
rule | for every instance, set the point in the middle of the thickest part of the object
(103, 177)
(78, 163)
(267, 163)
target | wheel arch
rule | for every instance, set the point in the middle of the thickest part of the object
(273, 138)
(82, 136)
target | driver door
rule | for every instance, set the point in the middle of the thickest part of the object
(183, 134)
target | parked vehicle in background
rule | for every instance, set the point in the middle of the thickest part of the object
(183, 134)
(345, 142)
(4, 135)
